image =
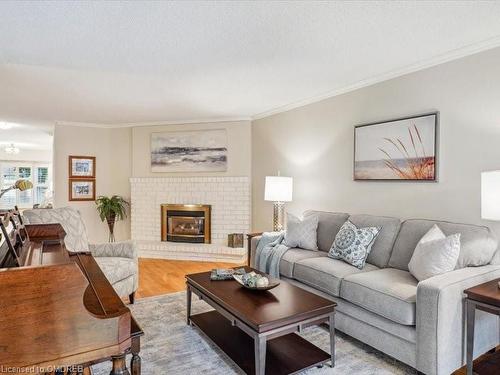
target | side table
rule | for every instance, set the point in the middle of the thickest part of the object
(249, 244)
(485, 297)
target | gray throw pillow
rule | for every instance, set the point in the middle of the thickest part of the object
(301, 233)
(353, 244)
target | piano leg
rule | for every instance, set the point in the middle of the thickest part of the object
(119, 365)
(135, 362)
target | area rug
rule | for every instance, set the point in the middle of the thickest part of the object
(169, 346)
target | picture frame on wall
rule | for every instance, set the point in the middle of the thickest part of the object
(81, 189)
(82, 166)
(403, 149)
(189, 151)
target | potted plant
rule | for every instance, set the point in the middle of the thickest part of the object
(111, 210)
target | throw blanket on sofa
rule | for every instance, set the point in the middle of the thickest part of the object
(268, 253)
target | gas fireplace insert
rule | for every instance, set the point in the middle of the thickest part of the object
(185, 223)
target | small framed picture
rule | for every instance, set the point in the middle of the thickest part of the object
(81, 190)
(81, 166)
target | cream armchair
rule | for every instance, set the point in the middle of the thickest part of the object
(118, 260)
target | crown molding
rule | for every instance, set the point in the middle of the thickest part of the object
(437, 60)
(152, 123)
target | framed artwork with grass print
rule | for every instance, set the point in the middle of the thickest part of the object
(81, 166)
(403, 149)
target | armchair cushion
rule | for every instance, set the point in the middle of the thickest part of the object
(125, 249)
(76, 234)
(116, 268)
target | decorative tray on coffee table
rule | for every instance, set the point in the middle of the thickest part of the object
(272, 283)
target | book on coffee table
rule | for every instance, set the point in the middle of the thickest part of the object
(219, 274)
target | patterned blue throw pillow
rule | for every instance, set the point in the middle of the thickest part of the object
(353, 244)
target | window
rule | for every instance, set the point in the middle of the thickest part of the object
(41, 187)
(37, 173)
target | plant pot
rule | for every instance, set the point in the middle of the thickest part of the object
(111, 220)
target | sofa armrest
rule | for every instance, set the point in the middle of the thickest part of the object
(440, 319)
(125, 249)
(253, 246)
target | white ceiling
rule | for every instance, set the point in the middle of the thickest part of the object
(139, 62)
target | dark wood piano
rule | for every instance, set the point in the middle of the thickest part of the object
(57, 309)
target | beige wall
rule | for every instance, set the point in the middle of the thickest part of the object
(122, 153)
(314, 144)
(112, 149)
(238, 139)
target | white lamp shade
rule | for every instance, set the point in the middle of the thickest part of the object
(278, 189)
(490, 195)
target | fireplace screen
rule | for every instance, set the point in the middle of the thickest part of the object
(186, 226)
(186, 223)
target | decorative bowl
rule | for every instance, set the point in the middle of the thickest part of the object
(272, 283)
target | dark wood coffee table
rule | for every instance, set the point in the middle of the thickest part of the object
(257, 329)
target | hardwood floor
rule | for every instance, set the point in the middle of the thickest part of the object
(160, 276)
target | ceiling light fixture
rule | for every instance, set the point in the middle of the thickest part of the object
(5, 126)
(12, 149)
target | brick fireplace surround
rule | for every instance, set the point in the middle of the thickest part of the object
(229, 198)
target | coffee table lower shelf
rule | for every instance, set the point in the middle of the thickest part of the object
(287, 354)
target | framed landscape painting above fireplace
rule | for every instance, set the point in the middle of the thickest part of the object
(189, 151)
(404, 149)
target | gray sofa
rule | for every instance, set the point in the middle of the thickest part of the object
(384, 306)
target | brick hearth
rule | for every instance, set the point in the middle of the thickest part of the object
(230, 201)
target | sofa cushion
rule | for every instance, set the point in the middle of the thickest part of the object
(388, 292)
(382, 248)
(116, 269)
(478, 245)
(293, 255)
(329, 223)
(326, 274)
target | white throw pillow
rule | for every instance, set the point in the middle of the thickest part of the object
(301, 233)
(435, 254)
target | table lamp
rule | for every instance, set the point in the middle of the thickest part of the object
(278, 190)
(490, 196)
